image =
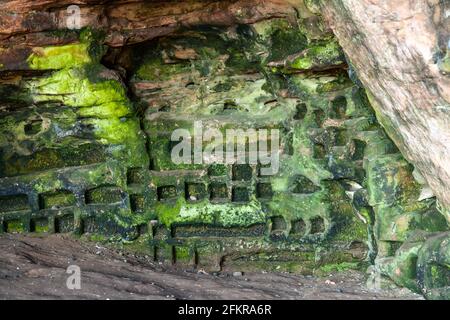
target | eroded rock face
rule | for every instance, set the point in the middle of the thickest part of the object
(87, 120)
(28, 24)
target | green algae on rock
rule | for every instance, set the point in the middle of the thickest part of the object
(80, 153)
(59, 57)
(97, 96)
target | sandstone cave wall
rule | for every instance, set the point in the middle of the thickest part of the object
(85, 142)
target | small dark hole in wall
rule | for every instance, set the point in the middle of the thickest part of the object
(170, 145)
(338, 135)
(190, 85)
(166, 192)
(165, 108)
(319, 116)
(135, 176)
(319, 151)
(298, 227)
(217, 170)
(242, 172)
(317, 225)
(57, 199)
(278, 224)
(245, 30)
(264, 190)
(33, 127)
(360, 146)
(14, 203)
(301, 184)
(161, 233)
(267, 167)
(230, 105)
(174, 255)
(218, 191)
(391, 148)
(155, 253)
(39, 225)
(301, 111)
(239, 144)
(360, 175)
(14, 226)
(137, 203)
(64, 224)
(196, 258)
(195, 191)
(152, 164)
(143, 229)
(104, 195)
(338, 108)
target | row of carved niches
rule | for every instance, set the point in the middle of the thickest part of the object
(243, 177)
(74, 207)
(340, 184)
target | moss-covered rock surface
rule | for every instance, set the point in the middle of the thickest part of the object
(86, 148)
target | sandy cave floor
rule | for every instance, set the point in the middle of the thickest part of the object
(34, 267)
